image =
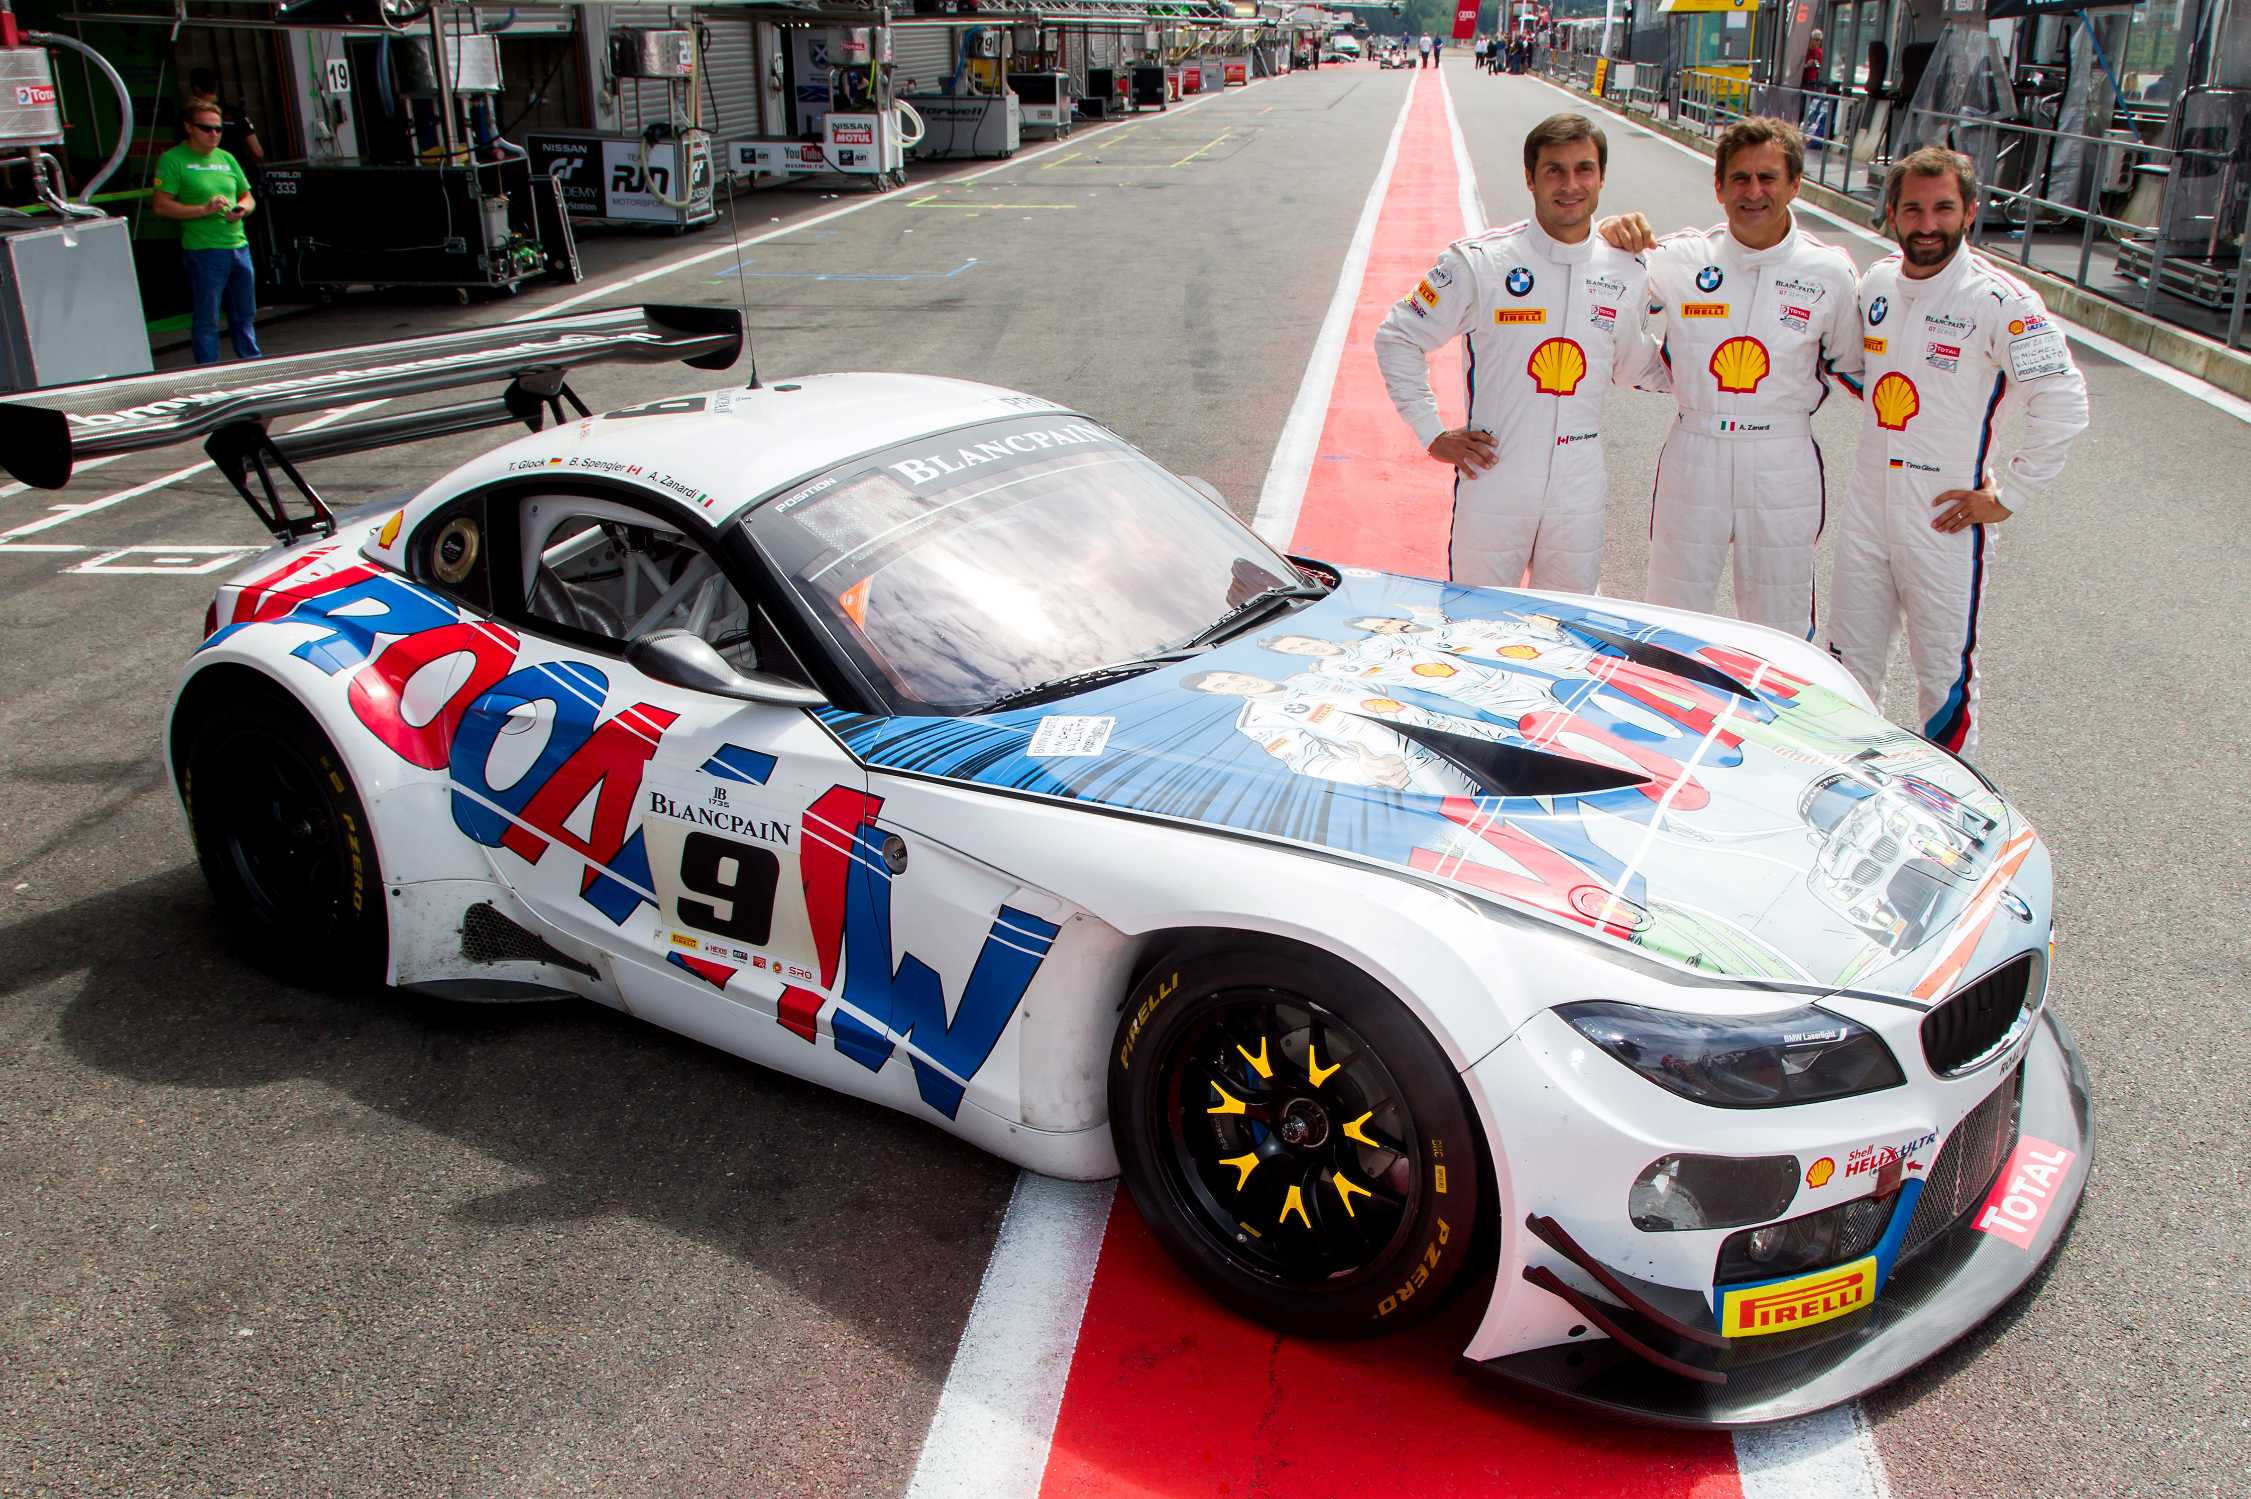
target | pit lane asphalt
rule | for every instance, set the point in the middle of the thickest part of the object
(261, 1239)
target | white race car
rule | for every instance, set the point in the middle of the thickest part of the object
(927, 740)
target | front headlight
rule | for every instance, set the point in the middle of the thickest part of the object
(1741, 1062)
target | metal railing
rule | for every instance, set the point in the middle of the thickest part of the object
(2127, 252)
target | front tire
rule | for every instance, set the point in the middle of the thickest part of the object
(284, 843)
(1296, 1140)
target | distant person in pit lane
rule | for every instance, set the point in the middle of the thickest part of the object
(1551, 316)
(1757, 313)
(1954, 345)
(205, 190)
(1425, 45)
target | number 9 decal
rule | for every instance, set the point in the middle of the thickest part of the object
(737, 881)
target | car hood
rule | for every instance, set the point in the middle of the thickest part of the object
(1641, 786)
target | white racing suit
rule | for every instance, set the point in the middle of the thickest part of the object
(1748, 339)
(1549, 327)
(1945, 359)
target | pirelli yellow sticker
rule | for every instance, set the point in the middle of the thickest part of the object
(1519, 317)
(1426, 294)
(1873, 345)
(1703, 309)
(1786, 1305)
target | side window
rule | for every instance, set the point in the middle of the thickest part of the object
(595, 568)
(450, 552)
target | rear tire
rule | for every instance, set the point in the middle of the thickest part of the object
(1296, 1140)
(284, 843)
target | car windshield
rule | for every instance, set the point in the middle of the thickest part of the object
(962, 568)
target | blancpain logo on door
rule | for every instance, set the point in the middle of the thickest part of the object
(938, 465)
(764, 829)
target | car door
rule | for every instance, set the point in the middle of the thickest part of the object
(678, 830)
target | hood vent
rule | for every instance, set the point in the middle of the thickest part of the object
(1514, 770)
(1660, 658)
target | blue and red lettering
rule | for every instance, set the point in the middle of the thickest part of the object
(848, 898)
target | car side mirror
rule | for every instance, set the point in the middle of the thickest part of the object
(682, 658)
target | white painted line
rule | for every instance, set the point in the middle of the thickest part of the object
(73, 512)
(996, 1416)
(1284, 491)
(165, 557)
(10, 491)
(1831, 1455)
(33, 546)
(1465, 175)
(2134, 359)
(875, 200)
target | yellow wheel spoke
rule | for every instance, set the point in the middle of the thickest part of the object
(1354, 1132)
(1294, 1203)
(1314, 1069)
(1244, 1165)
(1345, 1189)
(1228, 1102)
(1259, 1064)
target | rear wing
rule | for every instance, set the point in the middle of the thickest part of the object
(44, 435)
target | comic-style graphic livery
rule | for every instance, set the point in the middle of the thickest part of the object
(929, 741)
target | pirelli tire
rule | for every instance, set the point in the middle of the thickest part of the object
(1296, 1140)
(284, 841)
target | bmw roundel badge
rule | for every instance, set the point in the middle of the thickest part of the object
(1877, 309)
(1519, 282)
(1709, 278)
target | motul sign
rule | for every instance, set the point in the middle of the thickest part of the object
(1465, 21)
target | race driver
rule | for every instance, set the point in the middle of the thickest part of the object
(1755, 311)
(1551, 316)
(1952, 346)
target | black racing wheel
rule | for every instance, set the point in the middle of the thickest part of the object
(284, 842)
(1296, 1139)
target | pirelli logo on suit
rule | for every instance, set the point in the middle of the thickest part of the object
(1519, 317)
(1703, 309)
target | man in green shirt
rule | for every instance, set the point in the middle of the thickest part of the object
(204, 188)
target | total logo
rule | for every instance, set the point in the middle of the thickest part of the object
(2024, 1191)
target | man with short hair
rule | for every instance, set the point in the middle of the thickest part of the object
(1424, 43)
(238, 133)
(1953, 345)
(204, 189)
(1551, 316)
(1756, 315)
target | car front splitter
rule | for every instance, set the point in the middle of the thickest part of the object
(1960, 1278)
